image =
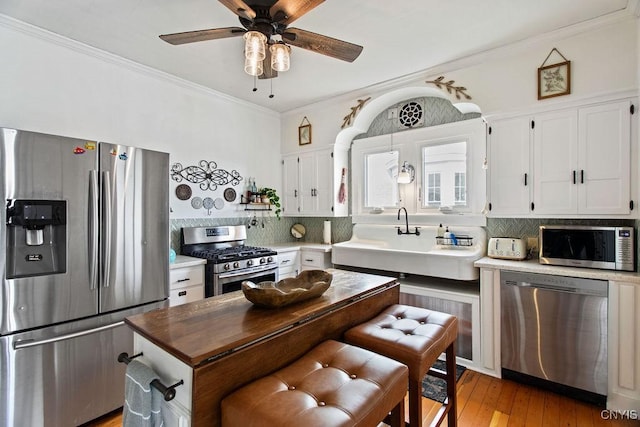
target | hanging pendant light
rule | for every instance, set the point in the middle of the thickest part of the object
(280, 55)
(254, 45)
(407, 174)
(253, 67)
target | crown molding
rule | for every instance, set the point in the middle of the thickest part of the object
(53, 38)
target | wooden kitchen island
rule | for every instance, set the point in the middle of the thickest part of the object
(222, 343)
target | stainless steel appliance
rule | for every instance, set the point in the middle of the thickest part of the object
(554, 332)
(229, 261)
(84, 237)
(610, 248)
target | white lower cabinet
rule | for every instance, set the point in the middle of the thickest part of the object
(624, 346)
(314, 259)
(186, 280)
(288, 263)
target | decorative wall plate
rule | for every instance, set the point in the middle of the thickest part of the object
(207, 203)
(229, 194)
(196, 203)
(183, 192)
(218, 203)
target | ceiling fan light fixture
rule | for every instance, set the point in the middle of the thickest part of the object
(254, 45)
(253, 67)
(280, 56)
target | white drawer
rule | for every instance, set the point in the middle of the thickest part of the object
(288, 259)
(315, 259)
(185, 277)
(185, 295)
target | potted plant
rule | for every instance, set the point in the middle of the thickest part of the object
(273, 199)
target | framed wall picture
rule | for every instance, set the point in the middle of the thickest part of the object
(554, 80)
(304, 132)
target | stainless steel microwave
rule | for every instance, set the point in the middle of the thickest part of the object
(609, 248)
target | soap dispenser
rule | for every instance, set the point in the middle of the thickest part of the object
(440, 231)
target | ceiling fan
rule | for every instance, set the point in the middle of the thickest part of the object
(263, 19)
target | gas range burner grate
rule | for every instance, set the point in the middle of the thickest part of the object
(233, 253)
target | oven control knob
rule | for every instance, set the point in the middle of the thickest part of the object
(262, 260)
(227, 266)
(236, 264)
(270, 259)
(249, 263)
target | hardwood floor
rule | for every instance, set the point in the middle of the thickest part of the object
(487, 401)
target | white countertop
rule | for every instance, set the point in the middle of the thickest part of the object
(533, 266)
(186, 261)
(295, 246)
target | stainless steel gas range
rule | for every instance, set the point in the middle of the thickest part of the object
(229, 260)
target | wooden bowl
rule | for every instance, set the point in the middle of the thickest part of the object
(308, 284)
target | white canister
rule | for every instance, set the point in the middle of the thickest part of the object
(326, 233)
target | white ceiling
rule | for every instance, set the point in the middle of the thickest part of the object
(399, 38)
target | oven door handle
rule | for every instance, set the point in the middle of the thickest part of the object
(246, 272)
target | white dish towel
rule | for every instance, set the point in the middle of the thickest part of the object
(142, 403)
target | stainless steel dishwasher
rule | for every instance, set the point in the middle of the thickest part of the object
(554, 333)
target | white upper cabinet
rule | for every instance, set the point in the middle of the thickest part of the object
(564, 163)
(509, 173)
(604, 159)
(555, 150)
(312, 182)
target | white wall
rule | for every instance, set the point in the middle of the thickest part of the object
(54, 85)
(603, 57)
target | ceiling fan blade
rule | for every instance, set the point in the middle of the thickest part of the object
(325, 45)
(240, 8)
(202, 35)
(287, 11)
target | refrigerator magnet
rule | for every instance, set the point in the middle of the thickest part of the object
(78, 150)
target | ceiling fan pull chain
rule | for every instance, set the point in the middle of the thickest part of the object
(255, 83)
(271, 95)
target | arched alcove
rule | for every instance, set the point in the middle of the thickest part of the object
(376, 106)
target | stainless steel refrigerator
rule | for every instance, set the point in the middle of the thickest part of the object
(84, 235)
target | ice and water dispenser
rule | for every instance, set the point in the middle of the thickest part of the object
(36, 237)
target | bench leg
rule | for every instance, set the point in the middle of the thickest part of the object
(396, 418)
(452, 400)
(415, 403)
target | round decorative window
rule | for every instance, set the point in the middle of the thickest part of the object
(411, 114)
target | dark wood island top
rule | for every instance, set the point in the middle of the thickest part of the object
(202, 331)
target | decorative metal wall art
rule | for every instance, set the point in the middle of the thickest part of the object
(449, 86)
(206, 174)
(354, 110)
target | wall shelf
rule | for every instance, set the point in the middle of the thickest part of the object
(254, 206)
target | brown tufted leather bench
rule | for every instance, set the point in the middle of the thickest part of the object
(416, 337)
(334, 384)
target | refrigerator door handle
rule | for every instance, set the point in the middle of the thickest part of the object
(93, 229)
(33, 343)
(107, 218)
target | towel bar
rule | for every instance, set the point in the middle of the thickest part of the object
(168, 392)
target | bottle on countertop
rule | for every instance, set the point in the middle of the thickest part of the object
(440, 231)
(447, 233)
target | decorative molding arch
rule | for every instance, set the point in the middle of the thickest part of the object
(371, 110)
